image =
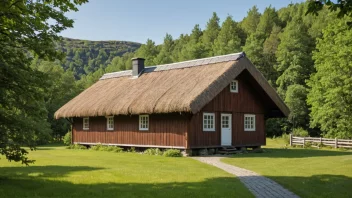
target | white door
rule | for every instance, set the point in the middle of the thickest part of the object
(226, 132)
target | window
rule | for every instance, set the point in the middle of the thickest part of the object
(249, 122)
(208, 122)
(143, 122)
(86, 123)
(110, 122)
(225, 121)
(234, 86)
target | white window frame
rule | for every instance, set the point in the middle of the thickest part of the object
(108, 124)
(86, 123)
(250, 128)
(234, 90)
(205, 128)
(144, 126)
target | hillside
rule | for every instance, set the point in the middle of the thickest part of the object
(84, 57)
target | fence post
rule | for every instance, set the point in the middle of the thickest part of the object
(321, 143)
(290, 139)
(336, 143)
(304, 141)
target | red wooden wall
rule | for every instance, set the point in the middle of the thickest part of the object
(250, 99)
(186, 131)
(164, 130)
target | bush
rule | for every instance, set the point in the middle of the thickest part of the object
(76, 146)
(67, 138)
(153, 151)
(300, 132)
(132, 150)
(308, 144)
(286, 138)
(100, 147)
(172, 153)
(117, 149)
(97, 147)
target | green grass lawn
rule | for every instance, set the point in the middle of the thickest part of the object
(59, 172)
(307, 172)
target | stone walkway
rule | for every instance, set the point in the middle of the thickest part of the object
(260, 186)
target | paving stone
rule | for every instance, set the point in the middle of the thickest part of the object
(260, 186)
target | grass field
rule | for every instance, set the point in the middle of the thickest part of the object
(59, 172)
(307, 172)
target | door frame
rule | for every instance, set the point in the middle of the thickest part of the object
(230, 125)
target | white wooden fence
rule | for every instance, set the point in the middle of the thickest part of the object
(317, 142)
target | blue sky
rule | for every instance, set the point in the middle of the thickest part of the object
(138, 20)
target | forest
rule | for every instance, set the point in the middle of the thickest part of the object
(305, 57)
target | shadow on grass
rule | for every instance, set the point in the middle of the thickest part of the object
(293, 153)
(42, 171)
(51, 146)
(49, 184)
(49, 181)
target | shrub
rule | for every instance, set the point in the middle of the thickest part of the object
(132, 150)
(172, 153)
(300, 132)
(286, 138)
(117, 149)
(100, 147)
(96, 147)
(308, 144)
(76, 146)
(67, 138)
(153, 151)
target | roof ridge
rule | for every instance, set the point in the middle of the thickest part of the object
(179, 65)
(194, 60)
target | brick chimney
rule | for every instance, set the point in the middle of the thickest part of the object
(137, 66)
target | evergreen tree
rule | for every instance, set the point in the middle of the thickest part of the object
(269, 58)
(228, 40)
(330, 95)
(194, 48)
(148, 51)
(254, 47)
(180, 43)
(267, 21)
(165, 54)
(294, 56)
(211, 33)
(250, 22)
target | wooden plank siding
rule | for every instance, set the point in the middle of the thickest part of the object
(250, 99)
(186, 130)
(164, 130)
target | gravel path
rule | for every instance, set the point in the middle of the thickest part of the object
(260, 186)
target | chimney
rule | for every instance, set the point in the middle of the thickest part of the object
(137, 66)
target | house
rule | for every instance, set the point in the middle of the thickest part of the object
(204, 103)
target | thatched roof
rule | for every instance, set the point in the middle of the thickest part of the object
(179, 87)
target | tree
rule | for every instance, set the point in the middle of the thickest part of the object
(250, 22)
(269, 58)
(180, 44)
(25, 33)
(295, 99)
(254, 47)
(330, 94)
(165, 54)
(148, 51)
(293, 56)
(60, 89)
(211, 33)
(194, 48)
(343, 7)
(228, 40)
